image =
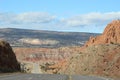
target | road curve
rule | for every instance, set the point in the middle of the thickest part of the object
(48, 77)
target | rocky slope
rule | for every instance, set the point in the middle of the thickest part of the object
(102, 60)
(8, 62)
(100, 55)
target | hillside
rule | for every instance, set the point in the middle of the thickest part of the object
(100, 60)
(41, 38)
(99, 56)
(111, 35)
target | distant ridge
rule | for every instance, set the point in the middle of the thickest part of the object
(43, 38)
(45, 30)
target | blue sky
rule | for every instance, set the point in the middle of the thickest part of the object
(59, 15)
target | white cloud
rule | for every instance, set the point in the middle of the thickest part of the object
(26, 18)
(97, 19)
(46, 21)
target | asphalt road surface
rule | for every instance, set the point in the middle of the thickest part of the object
(48, 77)
(36, 68)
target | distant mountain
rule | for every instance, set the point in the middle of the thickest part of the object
(42, 38)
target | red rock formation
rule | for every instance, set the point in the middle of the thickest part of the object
(8, 62)
(111, 34)
(44, 54)
(102, 60)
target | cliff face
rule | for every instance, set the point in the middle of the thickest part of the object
(111, 35)
(8, 62)
(50, 59)
(42, 54)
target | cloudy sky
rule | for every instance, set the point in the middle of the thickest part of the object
(59, 15)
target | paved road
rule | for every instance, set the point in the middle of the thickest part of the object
(36, 68)
(47, 77)
(78, 77)
(34, 77)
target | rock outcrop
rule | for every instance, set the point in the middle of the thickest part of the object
(100, 55)
(101, 60)
(8, 61)
(111, 35)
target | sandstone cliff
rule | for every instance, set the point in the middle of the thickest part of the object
(49, 59)
(111, 35)
(100, 55)
(8, 61)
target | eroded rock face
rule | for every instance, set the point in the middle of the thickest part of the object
(50, 60)
(100, 55)
(102, 60)
(8, 61)
(111, 35)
